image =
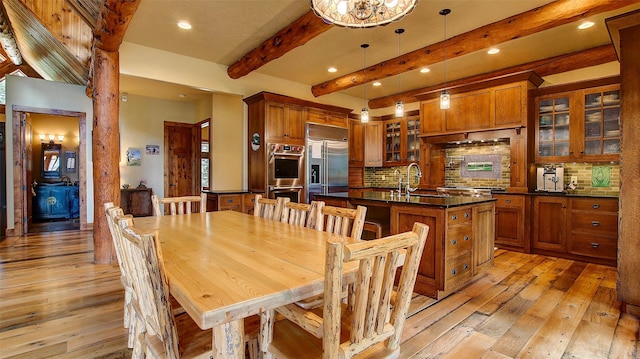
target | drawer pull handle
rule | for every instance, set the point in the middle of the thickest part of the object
(508, 201)
(466, 238)
(595, 206)
(595, 223)
(454, 242)
(454, 217)
(466, 266)
(467, 215)
(454, 271)
(229, 201)
(595, 245)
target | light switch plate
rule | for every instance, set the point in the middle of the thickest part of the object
(384, 177)
(574, 179)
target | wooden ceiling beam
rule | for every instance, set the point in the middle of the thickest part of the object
(296, 34)
(545, 67)
(113, 20)
(554, 14)
(8, 40)
(87, 9)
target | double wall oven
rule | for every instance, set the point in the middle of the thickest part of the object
(285, 171)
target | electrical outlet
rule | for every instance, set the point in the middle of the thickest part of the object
(384, 177)
(574, 179)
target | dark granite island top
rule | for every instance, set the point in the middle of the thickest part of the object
(414, 199)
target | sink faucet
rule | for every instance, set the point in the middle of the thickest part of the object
(396, 173)
(66, 180)
(409, 189)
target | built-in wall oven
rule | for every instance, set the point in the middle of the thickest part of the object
(285, 171)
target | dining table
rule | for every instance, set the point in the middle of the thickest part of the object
(225, 266)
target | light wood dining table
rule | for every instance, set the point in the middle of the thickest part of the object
(225, 266)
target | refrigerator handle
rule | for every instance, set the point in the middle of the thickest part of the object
(325, 165)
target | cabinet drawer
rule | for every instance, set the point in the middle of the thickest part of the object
(232, 202)
(458, 216)
(458, 240)
(594, 204)
(596, 223)
(249, 200)
(509, 201)
(457, 272)
(594, 246)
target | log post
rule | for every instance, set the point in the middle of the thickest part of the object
(106, 153)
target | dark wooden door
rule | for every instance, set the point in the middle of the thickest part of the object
(182, 170)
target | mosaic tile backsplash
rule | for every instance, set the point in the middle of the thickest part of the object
(586, 173)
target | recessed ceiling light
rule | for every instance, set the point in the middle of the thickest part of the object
(586, 25)
(184, 25)
(493, 51)
(424, 70)
(332, 69)
(377, 83)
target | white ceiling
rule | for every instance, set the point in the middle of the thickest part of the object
(224, 30)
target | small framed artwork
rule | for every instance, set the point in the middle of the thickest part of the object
(133, 157)
(153, 149)
(70, 158)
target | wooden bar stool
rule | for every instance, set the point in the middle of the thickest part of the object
(373, 227)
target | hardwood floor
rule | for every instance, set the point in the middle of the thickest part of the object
(55, 303)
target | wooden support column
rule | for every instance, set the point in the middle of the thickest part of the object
(106, 152)
(625, 33)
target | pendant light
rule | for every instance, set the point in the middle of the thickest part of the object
(445, 98)
(364, 115)
(399, 104)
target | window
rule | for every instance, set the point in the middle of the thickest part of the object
(204, 155)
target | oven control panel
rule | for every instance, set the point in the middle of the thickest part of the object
(282, 149)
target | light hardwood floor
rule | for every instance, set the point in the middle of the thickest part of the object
(55, 303)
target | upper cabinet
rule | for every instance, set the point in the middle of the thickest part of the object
(365, 144)
(401, 140)
(500, 104)
(581, 124)
(284, 123)
(324, 117)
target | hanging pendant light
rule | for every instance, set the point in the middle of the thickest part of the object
(399, 104)
(445, 98)
(364, 114)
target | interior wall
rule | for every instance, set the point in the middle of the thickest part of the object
(38, 93)
(55, 125)
(227, 143)
(141, 124)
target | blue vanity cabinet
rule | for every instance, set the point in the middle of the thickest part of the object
(56, 202)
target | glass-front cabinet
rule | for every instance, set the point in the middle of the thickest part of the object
(579, 125)
(602, 122)
(401, 140)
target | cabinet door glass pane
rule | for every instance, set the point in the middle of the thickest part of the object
(553, 127)
(602, 123)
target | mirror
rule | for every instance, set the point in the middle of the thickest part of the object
(51, 160)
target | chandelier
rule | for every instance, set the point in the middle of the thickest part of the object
(362, 13)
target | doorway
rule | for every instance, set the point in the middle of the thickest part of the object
(23, 137)
(182, 174)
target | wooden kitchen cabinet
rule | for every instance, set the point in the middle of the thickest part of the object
(579, 124)
(550, 223)
(238, 202)
(373, 144)
(136, 201)
(356, 143)
(324, 117)
(284, 123)
(401, 140)
(511, 227)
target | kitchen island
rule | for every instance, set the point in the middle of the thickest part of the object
(461, 237)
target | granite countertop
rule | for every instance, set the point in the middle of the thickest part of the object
(414, 199)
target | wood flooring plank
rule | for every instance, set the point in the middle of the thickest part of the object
(554, 336)
(473, 346)
(625, 339)
(448, 340)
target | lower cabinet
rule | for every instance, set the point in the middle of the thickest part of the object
(239, 202)
(459, 246)
(56, 202)
(511, 225)
(584, 228)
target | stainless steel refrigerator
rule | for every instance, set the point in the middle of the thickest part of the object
(327, 160)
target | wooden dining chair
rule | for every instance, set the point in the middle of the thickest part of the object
(179, 205)
(303, 214)
(268, 207)
(165, 336)
(374, 326)
(112, 212)
(344, 221)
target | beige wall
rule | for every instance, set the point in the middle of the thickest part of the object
(227, 143)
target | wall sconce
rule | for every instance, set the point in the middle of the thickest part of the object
(52, 138)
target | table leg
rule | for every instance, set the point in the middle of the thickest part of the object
(228, 340)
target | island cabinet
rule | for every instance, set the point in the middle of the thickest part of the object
(231, 201)
(459, 246)
(501, 103)
(579, 228)
(512, 213)
(578, 124)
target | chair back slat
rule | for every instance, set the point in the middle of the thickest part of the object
(343, 221)
(152, 287)
(302, 214)
(179, 205)
(268, 207)
(374, 318)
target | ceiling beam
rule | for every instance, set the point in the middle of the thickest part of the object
(7, 39)
(554, 14)
(87, 9)
(305, 28)
(113, 20)
(545, 67)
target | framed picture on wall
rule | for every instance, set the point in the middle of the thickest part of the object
(70, 161)
(133, 157)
